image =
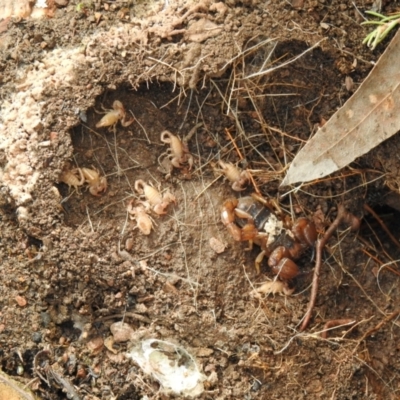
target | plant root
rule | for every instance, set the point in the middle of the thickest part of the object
(342, 216)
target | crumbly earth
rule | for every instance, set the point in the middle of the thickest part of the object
(73, 263)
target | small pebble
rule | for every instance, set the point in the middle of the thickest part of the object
(95, 345)
(21, 301)
(36, 337)
(46, 319)
(121, 332)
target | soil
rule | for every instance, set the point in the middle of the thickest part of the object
(73, 263)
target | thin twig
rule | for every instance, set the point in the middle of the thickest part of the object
(208, 186)
(376, 328)
(126, 256)
(284, 64)
(234, 144)
(336, 323)
(123, 315)
(257, 190)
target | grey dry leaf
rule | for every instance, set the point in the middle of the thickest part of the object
(13, 390)
(368, 118)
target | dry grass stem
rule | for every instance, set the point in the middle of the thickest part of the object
(284, 64)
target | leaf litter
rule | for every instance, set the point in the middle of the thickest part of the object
(368, 118)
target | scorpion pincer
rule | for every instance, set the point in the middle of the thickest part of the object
(250, 219)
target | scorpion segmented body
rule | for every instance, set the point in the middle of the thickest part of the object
(237, 177)
(155, 200)
(178, 153)
(112, 117)
(248, 219)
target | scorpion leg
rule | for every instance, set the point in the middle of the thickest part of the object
(258, 261)
(228, 215)
(305, 232)
(282, 265)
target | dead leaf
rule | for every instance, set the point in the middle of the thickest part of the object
(368, 118)
(109, 343)
(13, 390)
(95, 345)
